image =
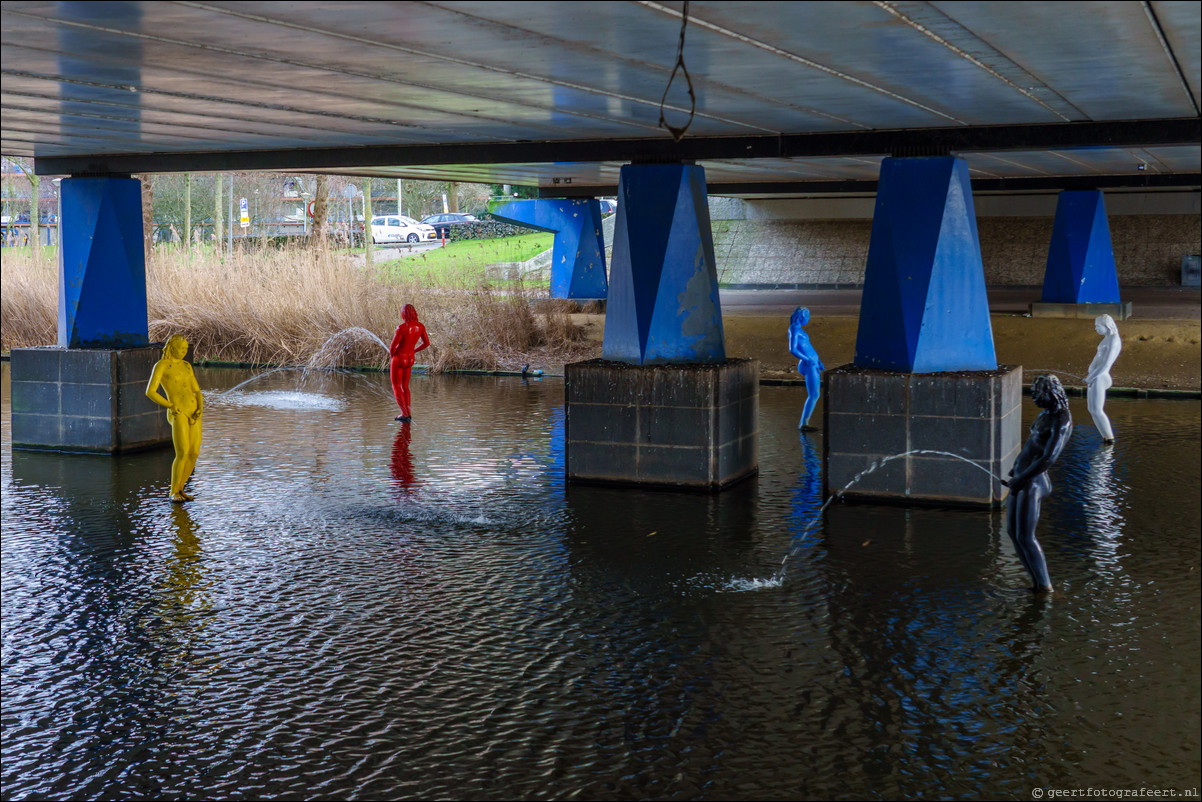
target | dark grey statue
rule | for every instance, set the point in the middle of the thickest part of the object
(1029, 483)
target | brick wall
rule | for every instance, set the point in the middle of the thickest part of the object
(1014, 250)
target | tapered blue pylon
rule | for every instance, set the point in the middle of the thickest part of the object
(578, 253)
(102, 264)
(663, 296)
(924, 308)
(1080, 266)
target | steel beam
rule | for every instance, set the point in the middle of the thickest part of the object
(868, 187)
(901, 142)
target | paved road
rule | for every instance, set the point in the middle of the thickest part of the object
(384, 253)
(1163, 303)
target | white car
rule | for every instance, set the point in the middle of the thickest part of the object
(398, 228)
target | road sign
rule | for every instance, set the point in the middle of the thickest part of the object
(245, 221)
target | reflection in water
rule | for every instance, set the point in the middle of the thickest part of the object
(402, 461)
(184, 607)
(298, 632)
(1098, 495)
(1105, 498)
(183, 583)
(929, 648)
(807, 494)
(628, 539)
(556, 463)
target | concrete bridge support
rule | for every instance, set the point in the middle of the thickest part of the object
(578, 253)
(87, 392)
(1081, 279)
(925, 377)
(663, 405)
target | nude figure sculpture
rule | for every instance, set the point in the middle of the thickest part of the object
(1029, 484)
(1098, 380)
(808, 364)
(184, 404)
(410, 338)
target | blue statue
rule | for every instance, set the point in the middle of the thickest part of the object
(1029, 483)
(808, 364)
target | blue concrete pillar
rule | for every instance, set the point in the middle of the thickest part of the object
(102, 266)
(1080, 259)
(924, 307)
(578, 255)
(663, 295)
(663, 406)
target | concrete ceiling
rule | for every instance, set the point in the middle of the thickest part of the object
(789, 95)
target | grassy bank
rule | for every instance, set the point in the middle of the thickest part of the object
(462, 262)
(310, 307)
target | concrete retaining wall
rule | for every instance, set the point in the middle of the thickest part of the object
(816, 242)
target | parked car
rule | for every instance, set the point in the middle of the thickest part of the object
(608, 206)
(445, 222)
(398, 228)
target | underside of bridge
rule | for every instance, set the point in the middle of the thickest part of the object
(789, 97)
(659, 103)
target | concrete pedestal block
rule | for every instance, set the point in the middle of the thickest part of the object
(93, 400)
(872, 414)
(1119, 310)
(687, 425)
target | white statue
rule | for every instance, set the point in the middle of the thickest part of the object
(1098, 379)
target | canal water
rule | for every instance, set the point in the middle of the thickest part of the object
(355, 609)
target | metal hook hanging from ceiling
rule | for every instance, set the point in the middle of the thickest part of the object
(678, 133)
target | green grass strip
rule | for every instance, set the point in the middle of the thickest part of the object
(465, 260)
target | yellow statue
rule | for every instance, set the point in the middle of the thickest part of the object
(184, 405)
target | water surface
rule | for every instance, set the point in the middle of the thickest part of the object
(352, 608)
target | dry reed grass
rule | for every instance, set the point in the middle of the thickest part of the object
(308, 306)
(28, 302)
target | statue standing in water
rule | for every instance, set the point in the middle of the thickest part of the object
(1029, 483)
(1098, 380)
(184, 404)
(410, 338)
(808, 364)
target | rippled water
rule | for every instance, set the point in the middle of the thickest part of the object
(355, 609)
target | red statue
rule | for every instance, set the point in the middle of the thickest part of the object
(410, 338)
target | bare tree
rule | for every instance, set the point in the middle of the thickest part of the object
(321, 202)
(35, 183)
(367, 243)
(187, 210)
(147, 212)
(218, 231)
(424, 198)
(472, 198)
